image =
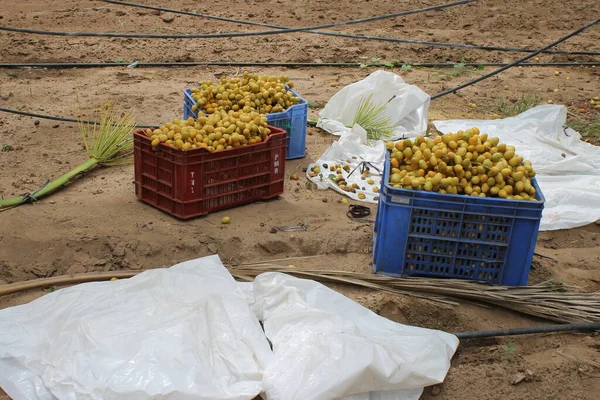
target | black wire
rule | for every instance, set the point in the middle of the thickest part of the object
(233, 34)
(358, 213)
(282, 64)
(584, 326)
(249, 64)
(124, 3)
(347, 35)
(520, 60)
(53, 118)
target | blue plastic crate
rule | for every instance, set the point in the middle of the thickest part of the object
(419, 233)
(293, 120)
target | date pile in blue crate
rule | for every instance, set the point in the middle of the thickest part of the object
(457, 206)
(272, 96)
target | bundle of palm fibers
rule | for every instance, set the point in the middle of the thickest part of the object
(547, 300)
(108, 143)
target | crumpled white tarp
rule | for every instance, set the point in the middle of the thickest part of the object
(568, 169)
(186, 332)
(327, 346)
(407, 105)
(352, 149)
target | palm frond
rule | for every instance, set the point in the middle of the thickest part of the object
(111, 141)
(546, 300)
(373, 119)
(108, 143)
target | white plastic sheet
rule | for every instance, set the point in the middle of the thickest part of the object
(189, 333)
(352, 149)
(326, 346)
(406, 105)
(568, 169)
(186, 332)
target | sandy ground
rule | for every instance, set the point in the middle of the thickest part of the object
(96, 224)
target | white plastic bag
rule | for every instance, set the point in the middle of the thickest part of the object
(186, 332)
(352, 149)
(409, 394)
(406, 105)
(568, 169)
(326, 346)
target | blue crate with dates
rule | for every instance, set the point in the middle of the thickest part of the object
(428, 234)
(293, 120)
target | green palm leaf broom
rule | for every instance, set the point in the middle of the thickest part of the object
(108, 143)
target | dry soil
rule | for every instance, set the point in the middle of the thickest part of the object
(96, 224)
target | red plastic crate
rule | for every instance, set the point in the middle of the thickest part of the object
(188, 184)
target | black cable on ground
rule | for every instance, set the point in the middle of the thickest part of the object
(517, 62)
(584, 326)
(232, 34)
(282, 64)
(237, 64)
(348, 35)
(53, 118)
(358, 213)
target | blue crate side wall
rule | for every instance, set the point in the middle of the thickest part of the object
(516, 236)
